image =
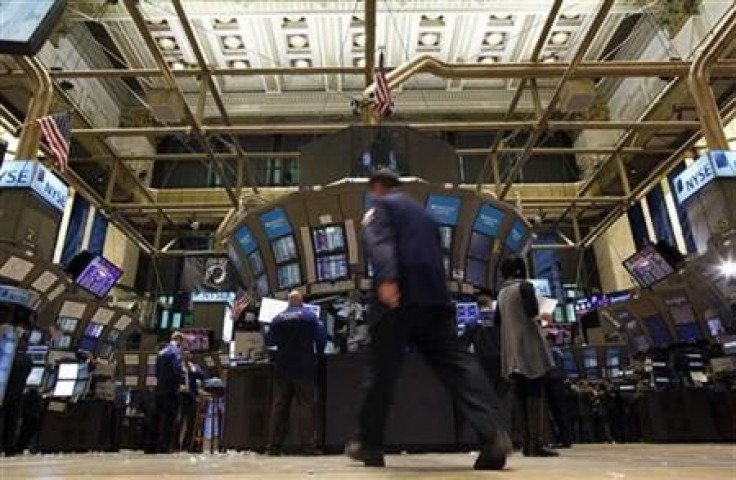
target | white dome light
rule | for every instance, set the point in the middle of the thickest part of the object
(487, 59)
(295, 19)
(549, 58)
(359, 62)
(494, 38)
(301, 63)
(298, 41)
(429, 39)
(359, 39)
(434, 17)
(156, 21)
(560, 38)
(239, 64)
(570, 16)
(167, 43)
(178, 65)
(225, 20)
(501, 17)
(232, 42)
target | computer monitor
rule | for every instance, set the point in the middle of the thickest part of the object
(466, 314)
(94, 330)
(38, 354)
(36, 377)
(477, 272)
(68, 371)
(67, 324)
(715, 327)
(332, 267)
(728, 344)
(613, 357)
(87, 344)
(661, 337)
(35, 337)
(328, 239)
(8, 344)
(648, 266)
(688, 332)
(569, 365)
(284, 249)
(262, 286)
(64, 388)
(480, 246)
(288, 275)
(256, 262)
(99, 276)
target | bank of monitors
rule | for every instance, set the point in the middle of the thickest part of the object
(72, 380)
(569, 364)
(649, 266)
(92, 334)
(8, 344)
(248, 245)
(591, 366)
(683, 315)
(466, 315)
(614, 362)
(331, 254)
(283, 246)
(658, 330)
(486, 229)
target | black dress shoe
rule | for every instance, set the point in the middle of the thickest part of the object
(541, 452)
(370, 458)
(493, 453)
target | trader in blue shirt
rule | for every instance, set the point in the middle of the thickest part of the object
(412, 304)
(298, 338)
(169, 379)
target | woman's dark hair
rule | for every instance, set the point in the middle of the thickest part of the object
(513, 268)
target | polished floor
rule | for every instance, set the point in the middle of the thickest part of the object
(610, 462)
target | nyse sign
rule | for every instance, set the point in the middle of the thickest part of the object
(715, 164)
(33, 175)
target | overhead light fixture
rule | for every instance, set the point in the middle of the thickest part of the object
(239, 64)
(359, 39)
(295, 19)
(559, 38)
(301, 63)
(432, 19)
(177, 65)
(494, 39)
(167, 43)
(359, 62)
(487, 59)
(156, 21)
(728, 268)
(550, 58)
(500, 17)
(297, 41)
(570, 17)
(429, 39)
(225, 20)
(232, 42)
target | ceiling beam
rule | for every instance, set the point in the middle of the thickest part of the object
(591, 69)
(370, 40)
(325, 128)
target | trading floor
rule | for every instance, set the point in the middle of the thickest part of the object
(589, 462)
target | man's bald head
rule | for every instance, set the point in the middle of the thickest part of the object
(295, 298)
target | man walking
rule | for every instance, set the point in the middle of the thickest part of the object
(411, 303)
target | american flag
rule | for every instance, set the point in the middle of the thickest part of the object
(384, 104)
(57, 134)
(241, 302)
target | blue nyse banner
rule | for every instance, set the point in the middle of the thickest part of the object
(443, 208)
(245, 240)
(513, 239)
(33, 175)
(715, 164)
(489, 220)
(275, 223)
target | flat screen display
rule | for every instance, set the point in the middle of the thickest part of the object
(35, 378)
(245, 240)
(446, 237)
(328, 239)
(332, 267)
(477, 272)
(729, 345)
(35, 337)
(113, 336)
(613, 357)
(228, 325)
(289, 275)
(466, 313)
(569, 365)
(275, 223)
(284, 249)
(262, 286)
(256, 262)
(99, 276)
(270, 307)
(639, 343)
(488, 221)
(590, 358)
(87, 344)
(513, 239)
(444, 209)
(648, 267)
(688, 332)
(38, 354)
(715, 327)
(68, 371)
(67, 324)
(64, 388)
(480, 246)
(661, 337)
(25, 25)
(94, 330)
(63, 342)
(8, 343)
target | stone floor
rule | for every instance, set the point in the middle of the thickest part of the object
(610, 462)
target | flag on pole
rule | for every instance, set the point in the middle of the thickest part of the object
(242, 300)
(57, 135)
(384, 104)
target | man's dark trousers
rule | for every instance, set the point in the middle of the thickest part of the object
(302, 393)
(433, 331)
